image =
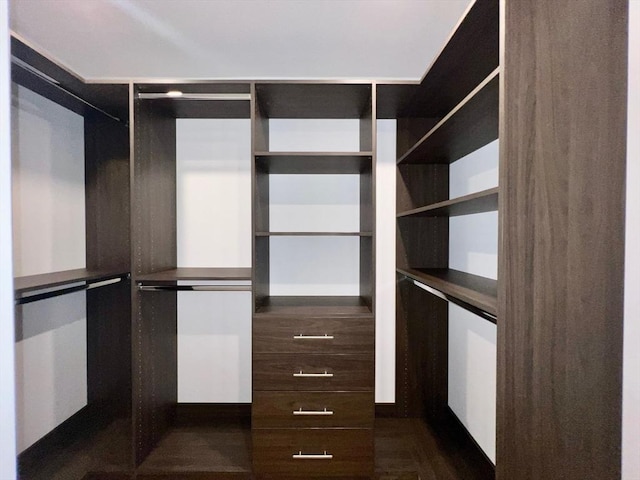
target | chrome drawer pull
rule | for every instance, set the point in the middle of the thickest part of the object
(312, 456)
(302, 336)
(313, 412)
(323, 375)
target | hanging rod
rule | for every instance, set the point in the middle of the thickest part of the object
(65, 291)
(467, 306)
(177, 95)
(195, 288)
(54, 83)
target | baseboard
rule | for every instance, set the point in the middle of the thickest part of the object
(386, 410)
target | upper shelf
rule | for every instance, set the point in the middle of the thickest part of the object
(314, 234)
(313, 162)
(58, 279)
(472, 124)
(314, 100)
(475, 43)
(479, 292)
(196, 274)
(479, 202)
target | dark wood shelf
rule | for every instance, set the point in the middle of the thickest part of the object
(479, 202)
(314, 234)
(311, 305)
(480, 292)
(178, 274)
(470, 125)
(314, 162)
(313, 100)
(474, 45)
(58, 279)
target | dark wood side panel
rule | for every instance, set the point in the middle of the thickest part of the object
(421, 353)
(107, 193)
(422, 242)
(421, 185)
(560, 297)
(153, 249)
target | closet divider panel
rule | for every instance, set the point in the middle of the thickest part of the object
(154, 314)
(562, 176)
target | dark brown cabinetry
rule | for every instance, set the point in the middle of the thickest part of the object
(313, 356)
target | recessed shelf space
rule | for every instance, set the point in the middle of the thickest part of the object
(43, 281)
(313, 162)
(314, 234)
(470, 125)
(196, 274)
(479, 202)
(480, 292)
(312, 305)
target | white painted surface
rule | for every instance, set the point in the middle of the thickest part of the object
(48, 235)
(631, 376)
(473, 248)
(7, 380)
(233, 39)
(214, 347)
(213, 168)
(48, 185)
(213, 192)
(386, 262)
(472, 375)
(314, 135)
(314, 203)
(51, 364)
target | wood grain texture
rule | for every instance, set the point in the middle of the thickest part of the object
(314, 306)
(474, 44)
(422, 242)
(276, 335)
(312, 163)
(352, 451)
(470, 125)
(179, 274)
(274, 371)
(562, 171)
(484, 201)
(30, 283)
(154, 329)
(349, 409)
(481, 292)
(420, 185)
(421, 353)
(106, 144)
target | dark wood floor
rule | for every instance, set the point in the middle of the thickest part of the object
(406, 449)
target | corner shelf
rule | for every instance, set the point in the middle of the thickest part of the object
(470, 125)
(312, 305)
(480, 292)
(479, 202)
(313, 163)
(31, 283)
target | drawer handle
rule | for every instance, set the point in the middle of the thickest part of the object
(313, 412)
(302, 336)
(312, 456)
(322, 375)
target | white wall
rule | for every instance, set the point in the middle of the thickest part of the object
(7, 399)
(214, 230)
(473, 248)
(48, 235)
(631, 376)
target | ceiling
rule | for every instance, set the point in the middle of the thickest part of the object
(121, 40)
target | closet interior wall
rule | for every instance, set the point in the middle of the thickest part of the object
(106, 237)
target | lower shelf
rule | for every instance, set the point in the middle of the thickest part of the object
(309, 305)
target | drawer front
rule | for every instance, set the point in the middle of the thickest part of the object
(312, 409)
(313, 372)
(313, 452)
(313, 335)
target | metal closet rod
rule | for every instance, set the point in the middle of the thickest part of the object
(54, 83)
(64, 291)
(194, 288)
(473, 309)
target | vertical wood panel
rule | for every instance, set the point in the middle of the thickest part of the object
(562, 221)
(153, 249)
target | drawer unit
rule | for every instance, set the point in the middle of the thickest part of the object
(313, 452)
(312, 409)
(313, 335)
(313, 372)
